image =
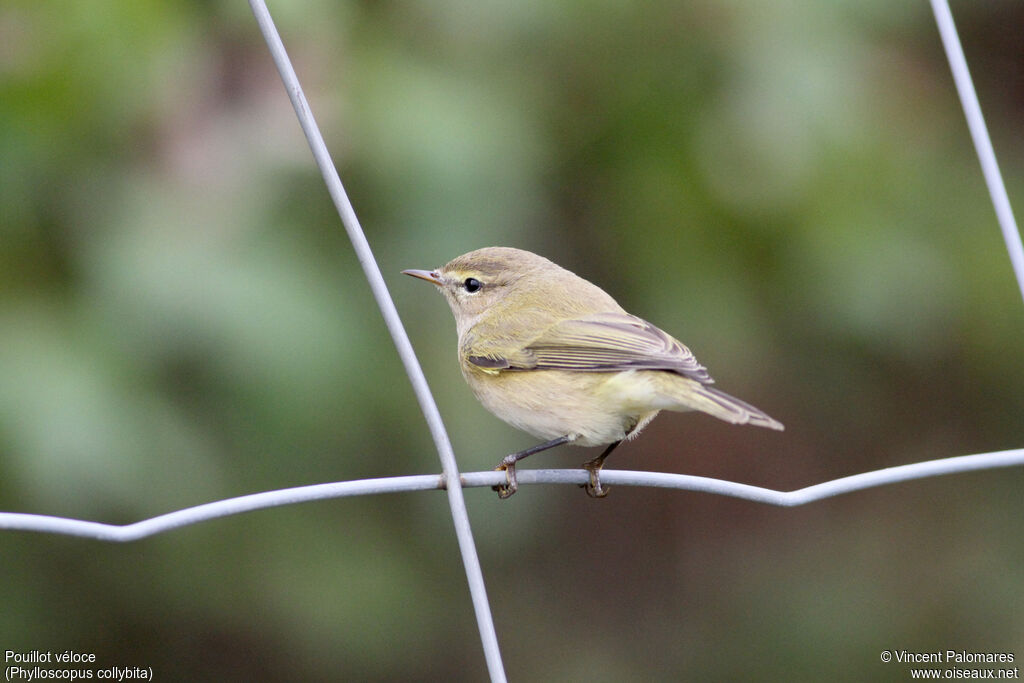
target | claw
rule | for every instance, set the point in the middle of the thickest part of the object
(593, 487)
(508, 463)
(511, 485)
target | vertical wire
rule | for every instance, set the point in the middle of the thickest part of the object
(979, 132)
(456, 500)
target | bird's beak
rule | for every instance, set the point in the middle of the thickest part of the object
(429, 276)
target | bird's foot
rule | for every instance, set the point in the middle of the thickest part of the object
(511, 485)
(593, 487)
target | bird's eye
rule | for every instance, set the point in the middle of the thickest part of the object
(472, 285)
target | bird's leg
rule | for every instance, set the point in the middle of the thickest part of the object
(594, 488)
(508, 463)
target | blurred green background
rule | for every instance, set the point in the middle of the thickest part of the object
(787, 187)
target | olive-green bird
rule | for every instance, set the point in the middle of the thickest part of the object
(554, 355)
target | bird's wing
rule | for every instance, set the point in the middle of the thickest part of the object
(600, 342)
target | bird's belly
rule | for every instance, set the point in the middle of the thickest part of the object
(588, 407)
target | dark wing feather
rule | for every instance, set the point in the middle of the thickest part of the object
(601, 342)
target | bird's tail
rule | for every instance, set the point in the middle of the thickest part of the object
(725, 407)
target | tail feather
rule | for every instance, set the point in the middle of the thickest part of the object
(729, 408)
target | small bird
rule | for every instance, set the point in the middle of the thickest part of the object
(555, 356)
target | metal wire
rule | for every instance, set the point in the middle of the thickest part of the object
(979, 133)
(456, 501)
(426, 482)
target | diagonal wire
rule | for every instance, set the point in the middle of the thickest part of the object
(979, 133)
(425, 482)
(456, 500)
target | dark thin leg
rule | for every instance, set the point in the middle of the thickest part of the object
(508, 463)
(594, 488)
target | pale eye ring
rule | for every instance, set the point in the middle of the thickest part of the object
(472, 285)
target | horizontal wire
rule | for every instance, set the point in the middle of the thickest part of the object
(16, 521)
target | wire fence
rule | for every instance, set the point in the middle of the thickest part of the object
(430, 482)
(450, 479)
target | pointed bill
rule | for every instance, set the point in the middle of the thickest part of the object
(428, 275)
